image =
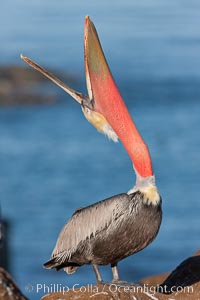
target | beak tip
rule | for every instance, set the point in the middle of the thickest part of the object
(24, 58)
(88, 23)
(87, 20)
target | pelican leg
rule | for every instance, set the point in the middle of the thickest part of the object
(116, 277)
(97, 273)
(115, 272)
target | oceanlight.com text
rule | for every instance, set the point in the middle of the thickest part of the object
(42, 288)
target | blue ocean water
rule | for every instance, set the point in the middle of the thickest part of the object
(52, 161)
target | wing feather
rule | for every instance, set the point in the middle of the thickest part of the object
(86, 223)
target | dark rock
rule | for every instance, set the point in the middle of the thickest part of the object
(4, 249)
(184, 282)
(185, 275)
(8, 288)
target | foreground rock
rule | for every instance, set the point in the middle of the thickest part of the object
(24, 86)
(8, 288)
(181, 284)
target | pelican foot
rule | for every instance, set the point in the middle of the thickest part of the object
(100, 282)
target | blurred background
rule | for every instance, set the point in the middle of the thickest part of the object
(52, 161)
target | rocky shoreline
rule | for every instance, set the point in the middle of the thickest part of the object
(23, 86)
(8, 288)
(180, 284)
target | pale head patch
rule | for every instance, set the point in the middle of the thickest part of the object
(150, 195)
(100, 123)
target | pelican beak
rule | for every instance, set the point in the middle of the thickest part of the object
(104, 106)
(100, 83)
(101, 86)
(74, 94)
(107, 101)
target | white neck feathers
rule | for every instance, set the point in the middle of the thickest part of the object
(148, 188)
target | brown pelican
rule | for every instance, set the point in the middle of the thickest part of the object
(110, 230)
